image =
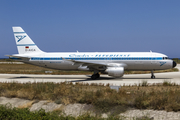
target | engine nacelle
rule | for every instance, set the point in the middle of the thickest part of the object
(115, 71)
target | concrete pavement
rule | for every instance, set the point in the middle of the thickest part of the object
(104, 79)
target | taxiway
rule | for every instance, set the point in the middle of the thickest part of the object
(104, 79)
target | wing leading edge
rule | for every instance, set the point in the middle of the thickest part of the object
(96, 65)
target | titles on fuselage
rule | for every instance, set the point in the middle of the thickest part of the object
(100, 55)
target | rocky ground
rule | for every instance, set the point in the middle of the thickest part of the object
(79, 109)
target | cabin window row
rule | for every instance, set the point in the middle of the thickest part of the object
(97, 58)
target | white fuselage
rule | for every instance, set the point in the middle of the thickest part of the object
(112, 63)
(129, 60)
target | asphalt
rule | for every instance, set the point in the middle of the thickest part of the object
(132, 79)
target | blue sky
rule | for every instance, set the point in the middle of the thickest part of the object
(93, 25)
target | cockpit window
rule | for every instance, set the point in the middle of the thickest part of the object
(165, 58)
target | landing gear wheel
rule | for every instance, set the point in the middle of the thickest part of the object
(153, 77)
(95, 76)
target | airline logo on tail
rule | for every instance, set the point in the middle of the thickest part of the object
(20, 38)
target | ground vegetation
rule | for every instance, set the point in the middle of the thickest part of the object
(165, 96)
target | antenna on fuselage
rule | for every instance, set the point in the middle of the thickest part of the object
(77, 51)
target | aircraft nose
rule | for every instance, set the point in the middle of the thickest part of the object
(174, 64)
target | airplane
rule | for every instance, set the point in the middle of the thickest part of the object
(112, 63)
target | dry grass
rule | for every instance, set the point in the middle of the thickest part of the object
(31, 69)
(177, 60)
(164, 96)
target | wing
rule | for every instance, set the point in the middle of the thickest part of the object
(96, 65)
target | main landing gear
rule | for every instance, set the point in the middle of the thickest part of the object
(95, 76)
(152, 75)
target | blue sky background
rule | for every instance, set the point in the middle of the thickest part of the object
(93, 25)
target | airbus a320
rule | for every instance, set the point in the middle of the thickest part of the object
(112, 63)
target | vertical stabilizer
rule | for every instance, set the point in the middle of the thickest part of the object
(24, 42)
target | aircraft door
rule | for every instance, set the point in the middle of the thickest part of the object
(153, 59)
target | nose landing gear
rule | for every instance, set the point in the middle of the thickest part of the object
(152, 75)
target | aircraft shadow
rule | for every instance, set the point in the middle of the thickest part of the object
(45, 77)
(88, 78)
(83, 79)
(147, 78)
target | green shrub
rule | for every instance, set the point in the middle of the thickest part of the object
(8, 113)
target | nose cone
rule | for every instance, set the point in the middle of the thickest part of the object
(174, 64)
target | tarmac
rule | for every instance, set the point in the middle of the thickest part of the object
(130, 79)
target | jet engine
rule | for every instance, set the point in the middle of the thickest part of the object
(115, 71)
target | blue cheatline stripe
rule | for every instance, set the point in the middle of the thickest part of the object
(19, 32)
(95, 58)
(26, 44)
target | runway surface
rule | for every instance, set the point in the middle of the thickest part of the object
(104, 79)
